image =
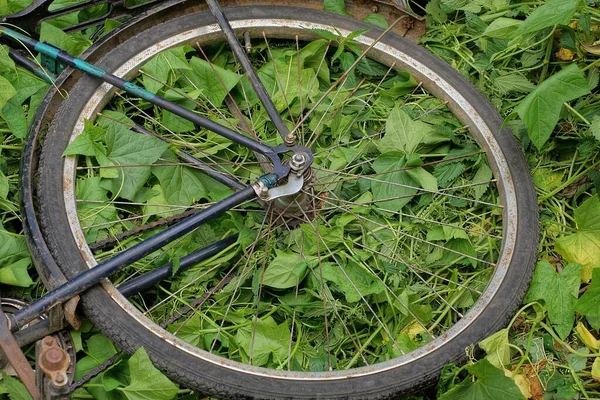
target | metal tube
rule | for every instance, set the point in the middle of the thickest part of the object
(87, 279)
(135, 90)
(241, 56)
(151, 278)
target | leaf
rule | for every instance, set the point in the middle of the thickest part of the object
(481, 179)
(213, 81)
(377, 20)
(553, 12)
(503, 28)
(490, 384)
(513, 82)
(497, 348)
(402, 133)
(423, 178)
(394, 187)
(335, 6)
(147, 383)
(596, 369)
(99, 349)
(264, 338)
(588, 303)
(540, 110)
(14, 260)
(161, 66)
(286, 270)
(181, 185)
(583, 246)
(586, 336)
(72, 44)
(4, 187)
(7, 91)
(559, 293)
(353, 280)
(126, 148)
(14, 388)
(462, 5)
(16, 274)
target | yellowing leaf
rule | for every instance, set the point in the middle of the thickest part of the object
(565, 54)
(497, 348)
(521, 382)
(596, 369)
(587, 336)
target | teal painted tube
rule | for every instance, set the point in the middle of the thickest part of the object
(62, 56)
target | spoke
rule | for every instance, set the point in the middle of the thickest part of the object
(346, 73)
(412, 236)
(420, 191)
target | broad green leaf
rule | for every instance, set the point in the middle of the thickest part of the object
(481, 179)
(286, 270)
(595, 127)
(13, 387)
(559, 293)
(553, 12)
(402, 133)
(15, 274)
(264, 339)
(93, 206)
(583, 246)
(99, 349)
(489, 383)
(181, 185)
(463, 5)
(589, 303)
(12, 6)
(540, 110)
(423, 178)
(147, 383)
(6, 63)
(394, 187)
(318, 238)
(513, 82)
(159, 68)
(26, 85)
(7, 91)
(14, 260)
(503, 28)
(497, 348)
(377, 20)
(129, 148)
(353, 280)
(213, 81)
(335, 6)
(4, 188)
(73, 44)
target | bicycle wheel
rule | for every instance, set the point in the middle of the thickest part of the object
(413, 237)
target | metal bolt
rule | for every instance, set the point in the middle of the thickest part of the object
(59, 379)
(290, 139)
(247, 42)
(54, 356)
(375, 9)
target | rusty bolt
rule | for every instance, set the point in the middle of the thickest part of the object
(48, 341)
(54, 356)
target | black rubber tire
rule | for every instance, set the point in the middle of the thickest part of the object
(219, 380)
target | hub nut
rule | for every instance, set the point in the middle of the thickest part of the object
(298, 162)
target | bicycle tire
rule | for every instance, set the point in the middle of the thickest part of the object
(220, 377)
